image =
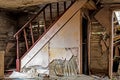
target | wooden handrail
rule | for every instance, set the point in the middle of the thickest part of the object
(18, 32)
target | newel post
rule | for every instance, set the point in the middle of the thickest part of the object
(17, 60)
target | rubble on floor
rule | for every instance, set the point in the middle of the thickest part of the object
(32, 75)
(45, 77)
(58, 70)
(17, 75)
(30, 72)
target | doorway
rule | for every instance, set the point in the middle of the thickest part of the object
(85, 69)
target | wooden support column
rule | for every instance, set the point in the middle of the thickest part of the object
(80, 47)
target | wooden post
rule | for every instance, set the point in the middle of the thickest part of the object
(80, 47)
(17, 60)
(2, 64)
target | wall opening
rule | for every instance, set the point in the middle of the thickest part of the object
(85, 46)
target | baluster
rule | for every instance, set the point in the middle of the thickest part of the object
(44, 20)
(57, 8)
(25, 37)
(64, 6)
(72, 1)
(17, 60)
(31, 32)
(51, 12)
(17, 47)
(38, 29)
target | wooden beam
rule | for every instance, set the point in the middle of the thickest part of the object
(90, 5)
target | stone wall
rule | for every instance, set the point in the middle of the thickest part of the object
(98, 49)
(7, 30)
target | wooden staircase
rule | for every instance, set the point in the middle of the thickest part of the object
(42, 27)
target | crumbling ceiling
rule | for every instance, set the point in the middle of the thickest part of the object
(21, 4)
(17, 4)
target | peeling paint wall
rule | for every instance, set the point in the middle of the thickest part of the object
(42, 58)
(66, 40)
(63, 45)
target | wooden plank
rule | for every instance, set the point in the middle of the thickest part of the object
(90, 5)
(2, 64)
(80, 60)
(89, 36)
(104, 18)
(80, 43)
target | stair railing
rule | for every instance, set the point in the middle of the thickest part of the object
(24, 33)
